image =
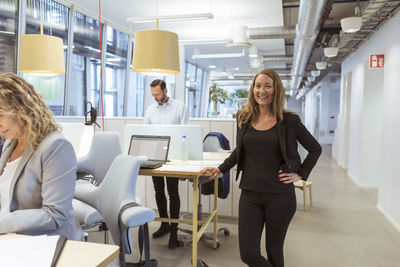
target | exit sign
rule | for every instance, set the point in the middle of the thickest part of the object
(376, 61)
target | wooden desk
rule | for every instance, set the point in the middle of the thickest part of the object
(83, 254)
(194, 176)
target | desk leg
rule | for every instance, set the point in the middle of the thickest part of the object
(216, 214)
(194, 236)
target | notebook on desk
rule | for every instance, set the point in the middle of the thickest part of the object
(154, 147)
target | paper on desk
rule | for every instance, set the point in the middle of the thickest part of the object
(205, 162)
(33, 251)
(180, 168)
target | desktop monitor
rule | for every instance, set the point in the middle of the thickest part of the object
(193, 134)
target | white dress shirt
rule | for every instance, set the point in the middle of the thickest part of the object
(5, 181)
(171, 112)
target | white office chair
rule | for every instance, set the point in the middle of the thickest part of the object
(115, 199)
(104, 148)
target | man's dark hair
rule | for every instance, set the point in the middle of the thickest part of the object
(157, 82)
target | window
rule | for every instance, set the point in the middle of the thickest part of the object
(8, 39)
(195, 88)
(55, 23)
(85, 70)
(117, 52)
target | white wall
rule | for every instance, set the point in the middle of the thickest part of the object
(329, 108)
(387, 175)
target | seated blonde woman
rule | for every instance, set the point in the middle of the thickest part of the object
(37, 166)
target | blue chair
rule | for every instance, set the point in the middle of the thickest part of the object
(115, 199)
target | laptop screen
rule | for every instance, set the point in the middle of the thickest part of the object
(155, 148)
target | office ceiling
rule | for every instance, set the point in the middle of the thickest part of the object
(211, 36)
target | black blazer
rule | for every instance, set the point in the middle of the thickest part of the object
(290, 130)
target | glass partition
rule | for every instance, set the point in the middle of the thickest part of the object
(8, 37)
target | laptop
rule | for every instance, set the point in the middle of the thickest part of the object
(154, 147)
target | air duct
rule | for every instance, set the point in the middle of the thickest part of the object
(310, 14)
(278, 59)
(272, 33)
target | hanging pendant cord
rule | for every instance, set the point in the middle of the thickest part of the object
(101, 69)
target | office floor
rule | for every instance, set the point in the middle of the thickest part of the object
(342, 228)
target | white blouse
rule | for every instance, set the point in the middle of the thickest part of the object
(5, 182)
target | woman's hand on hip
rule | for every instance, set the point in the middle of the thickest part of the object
(214, 170)
(288, 178)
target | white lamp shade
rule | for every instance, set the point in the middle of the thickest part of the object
(156, 52)
(331, 51)
(307, 83)
(41, 54)
(311, 78)
(321, 65)
(315, 73)
(351, 24)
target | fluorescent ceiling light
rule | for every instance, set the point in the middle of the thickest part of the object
(226, 55)
(182, 17)
(212, 66)
(205, 41)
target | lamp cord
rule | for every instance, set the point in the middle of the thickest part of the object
(101, 69)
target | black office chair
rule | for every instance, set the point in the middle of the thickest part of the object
(213, 142)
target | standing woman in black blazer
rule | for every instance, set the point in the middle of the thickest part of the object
(266, 154)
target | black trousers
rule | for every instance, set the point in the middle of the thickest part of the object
(161, 200)
(275, 211)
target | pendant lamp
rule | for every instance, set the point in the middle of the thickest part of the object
(41, 54)
(156, 52)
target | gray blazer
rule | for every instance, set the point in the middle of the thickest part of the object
(42, 190)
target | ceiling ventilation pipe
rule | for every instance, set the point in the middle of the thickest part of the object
(310, 14)
(277, 59)
(272, 33)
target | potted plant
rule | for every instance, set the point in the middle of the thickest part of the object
(217, 95)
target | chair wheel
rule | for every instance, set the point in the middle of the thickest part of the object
(226, 232)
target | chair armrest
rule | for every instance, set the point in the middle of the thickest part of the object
(85, 193)
(85, 164)
(137, 216)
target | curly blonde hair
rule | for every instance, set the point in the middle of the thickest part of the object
(20, 100)
(251, 109)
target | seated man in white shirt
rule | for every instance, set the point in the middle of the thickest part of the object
(166, 111)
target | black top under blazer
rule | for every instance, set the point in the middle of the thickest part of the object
(290, 130)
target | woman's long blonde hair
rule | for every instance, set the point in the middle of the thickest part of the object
(251, 108)
(20, 100)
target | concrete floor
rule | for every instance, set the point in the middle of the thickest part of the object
(342, 228)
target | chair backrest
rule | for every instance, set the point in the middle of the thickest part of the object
(212, 142)
(117, 189)
(105, 147)
(217, 142)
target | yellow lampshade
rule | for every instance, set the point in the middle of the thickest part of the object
(41, 54)
(156, 51)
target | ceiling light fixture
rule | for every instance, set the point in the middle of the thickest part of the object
(352, 24)
(240, 36)
(181, 17)
(331, 51)
(156, 52)
(41, 54)
(225, 55)
(315, 73)
(321, 65)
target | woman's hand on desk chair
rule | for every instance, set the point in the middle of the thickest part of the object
(214, 170)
